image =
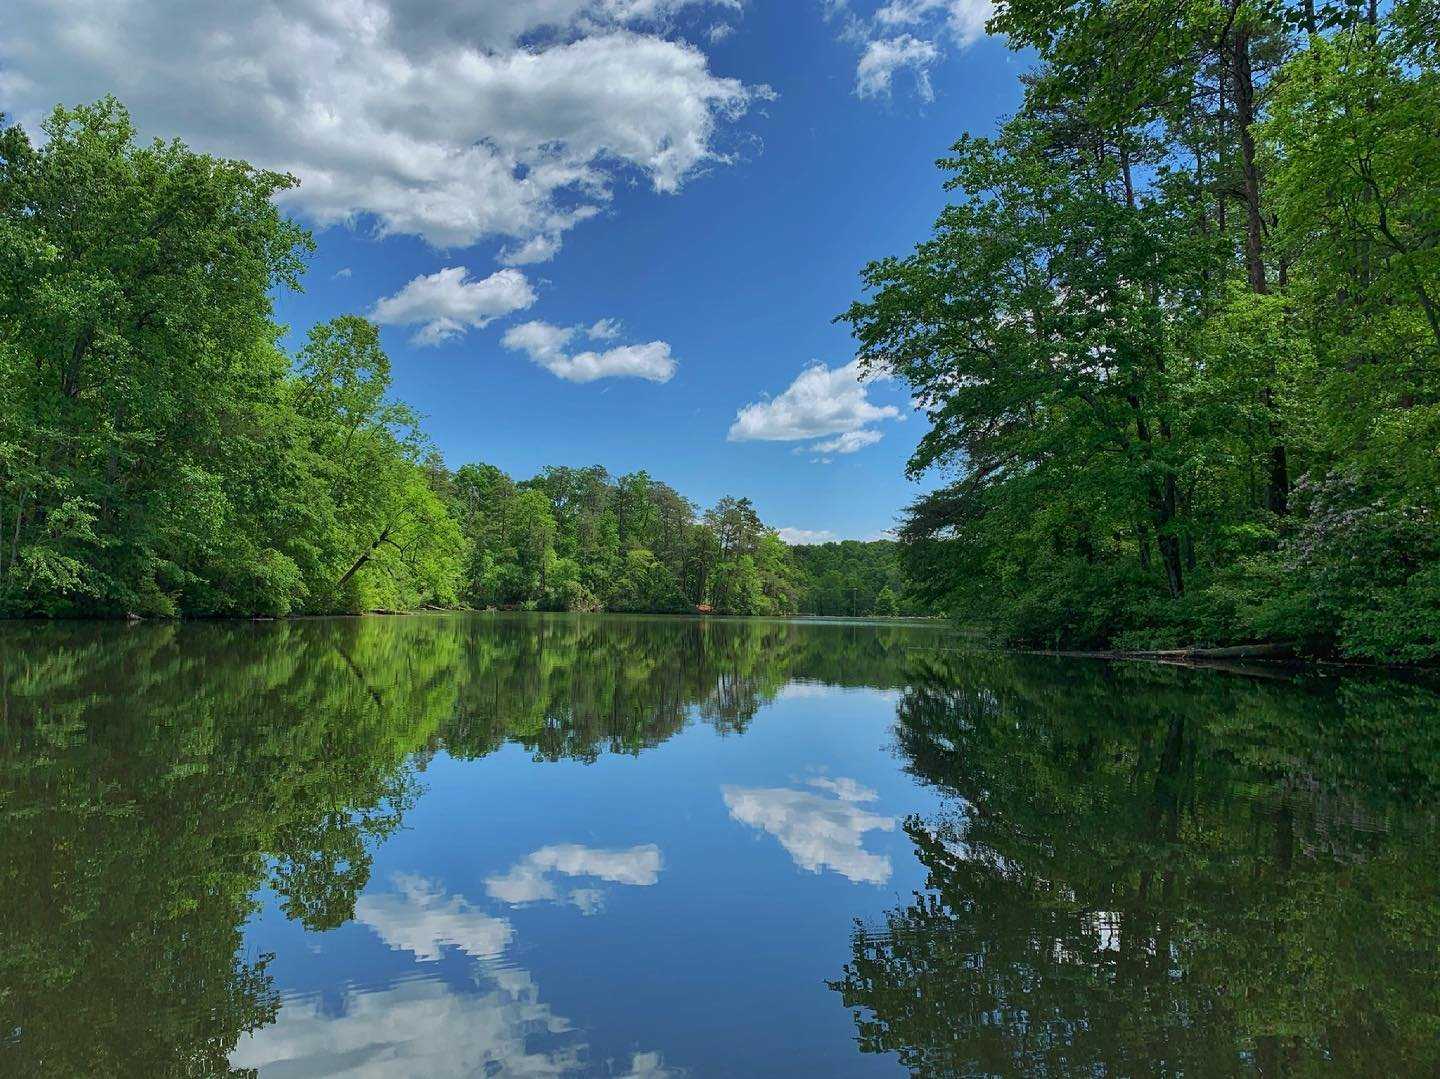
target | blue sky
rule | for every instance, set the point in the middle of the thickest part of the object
(707, 176)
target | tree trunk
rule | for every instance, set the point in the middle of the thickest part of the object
(1164, 501)
(1245, 118)
(70, 373)
(15, 539)
(1277, 493)
(365, 556)
(1277, 490)
(1170, 551)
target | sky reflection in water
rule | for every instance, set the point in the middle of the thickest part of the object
(627, 846)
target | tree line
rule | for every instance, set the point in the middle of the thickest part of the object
(162, 453)
(578, 539)
(1178, 337)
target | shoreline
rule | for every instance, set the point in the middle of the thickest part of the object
(1270, 659)
(130, 619)
(1267, 659)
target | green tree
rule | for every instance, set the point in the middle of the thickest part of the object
(736, 525)
(1175, 339)
(159, 453)
(701, 555)
(737, 587)
(134, 334)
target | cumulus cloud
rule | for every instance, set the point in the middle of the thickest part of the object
(849, 442)
(535, 249)
(455, 122)
(420, 918)
(805, 535)
(416, 1027)
(532, 879)
(907, 35)
(882, 57)
(963, 20)
(817, 832)
(549, 346)
(821, 401)
(447, 303)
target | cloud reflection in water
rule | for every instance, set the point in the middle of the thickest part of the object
(818, 832)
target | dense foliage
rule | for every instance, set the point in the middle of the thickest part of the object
(159, 452)
(1179, 337)
(577, 539)
(1153, 871)
(855, 578)
(162, 454)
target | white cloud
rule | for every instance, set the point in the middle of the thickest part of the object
(419, 917)
(650, 1065)
(906, 35)
(845, 788)
(883, 57)
(426, 1027)
(821, 401)
(964, 20)
(547, 345)
(416, 1027)
(849, 442)
(447, 303)
(453, 121)
(531, 880)
(605, 329)
(817, 832)
(805, 535)
(344, 271)
(535, 249)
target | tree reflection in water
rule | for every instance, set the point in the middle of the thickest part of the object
(1149, 871)
(1141, 871)
(154, 777)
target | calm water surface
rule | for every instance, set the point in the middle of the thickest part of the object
(548, 845)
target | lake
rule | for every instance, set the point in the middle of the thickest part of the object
(621, 846)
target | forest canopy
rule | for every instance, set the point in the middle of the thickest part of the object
(162, 453)
(1178, 335)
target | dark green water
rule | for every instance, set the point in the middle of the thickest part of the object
(444, 846)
